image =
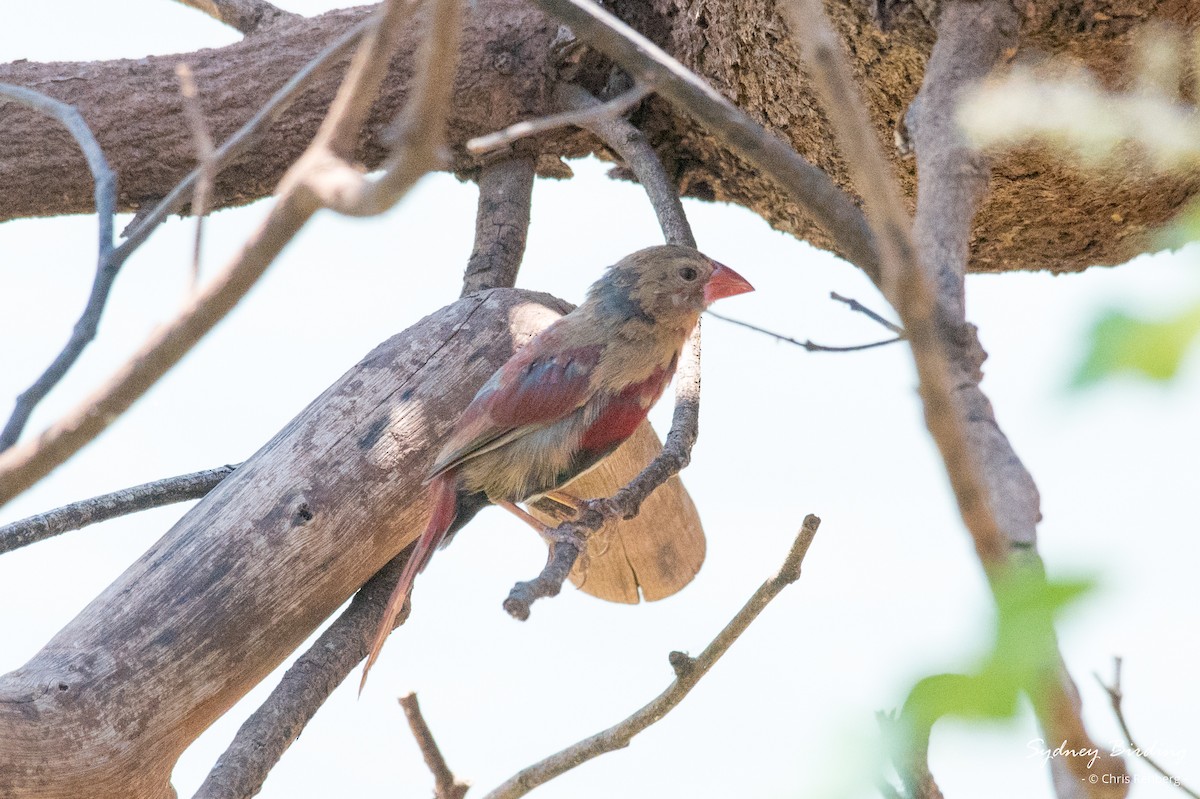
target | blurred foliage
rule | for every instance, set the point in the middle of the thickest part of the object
(1153, 349)
(1023, 660)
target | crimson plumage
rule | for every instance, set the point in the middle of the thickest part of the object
(570, 396)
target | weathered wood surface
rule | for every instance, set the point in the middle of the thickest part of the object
(105, 709)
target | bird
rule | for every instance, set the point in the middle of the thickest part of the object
(567, 399)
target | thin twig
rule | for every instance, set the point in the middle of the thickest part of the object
(106, 262)
(318, 178)
(244, 16)
(445, 784)
(270, 730)
(501, 222)
(241, 141)
(1116, 697)
(581, 118)
(85, 512)
(676, 453)
(620, 734)
(204, 156)
(806, 345)
(808, 186)
(855, 305)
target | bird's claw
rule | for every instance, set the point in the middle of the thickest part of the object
(570, 536)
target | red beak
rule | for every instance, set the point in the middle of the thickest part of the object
(724, 282)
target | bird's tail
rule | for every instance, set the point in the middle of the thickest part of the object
(445, 509)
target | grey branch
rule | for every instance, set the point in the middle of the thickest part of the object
(687, 673)
(445, 785)
(632, 146)
(244, 16)
(270, 730)
(1116, 697)
(501, 222)
(806, 345)
(583, 118)
(106, 263)
(80, 514)
(857, 306)
(810, 187)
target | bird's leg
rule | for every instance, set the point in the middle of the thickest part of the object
(568, 500)
(572, 537)
(523, 515)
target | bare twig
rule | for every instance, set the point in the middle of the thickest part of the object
(582, 118)
(805, 345)
(855, 305)
(244, 16)
(811, 188)
(204, 156)
(270, 730)
(632, 146)
(106, 264)
(318, 178)
(446, 786)
(501, 222)
(1116, 697)
(620, 734)
(80, 514)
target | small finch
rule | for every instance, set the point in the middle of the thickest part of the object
(569, 397)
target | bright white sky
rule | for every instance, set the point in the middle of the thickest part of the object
(891, 590)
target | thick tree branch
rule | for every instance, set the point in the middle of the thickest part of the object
(446, 786)
(265, 736)
(80, 514)
(688, 672)
(501, 222)
(244, 16)
(105, 194)
(811, 188)
(628, 142)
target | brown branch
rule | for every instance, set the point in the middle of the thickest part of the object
(581, 118)
(688, 672)
(204, 156)
(265, 736)
(80, 514)
(996, 496)
(446, 786)
(806, 345)
(1116, 697)
(319, 178)
(106, 264)
(810, 187)
(501, 222)
(676, 453)
(244, 16)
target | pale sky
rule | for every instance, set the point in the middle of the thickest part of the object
(891, 589)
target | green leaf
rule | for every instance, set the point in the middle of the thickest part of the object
(1153, 349)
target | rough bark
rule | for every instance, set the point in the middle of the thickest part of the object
(1040, 214)
(107, 706)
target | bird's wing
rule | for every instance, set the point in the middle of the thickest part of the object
(540, 385)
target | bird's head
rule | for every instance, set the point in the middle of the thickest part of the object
(666, 284)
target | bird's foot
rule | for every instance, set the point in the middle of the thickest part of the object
(570, 536)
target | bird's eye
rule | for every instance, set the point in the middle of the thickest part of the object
(687, 273)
